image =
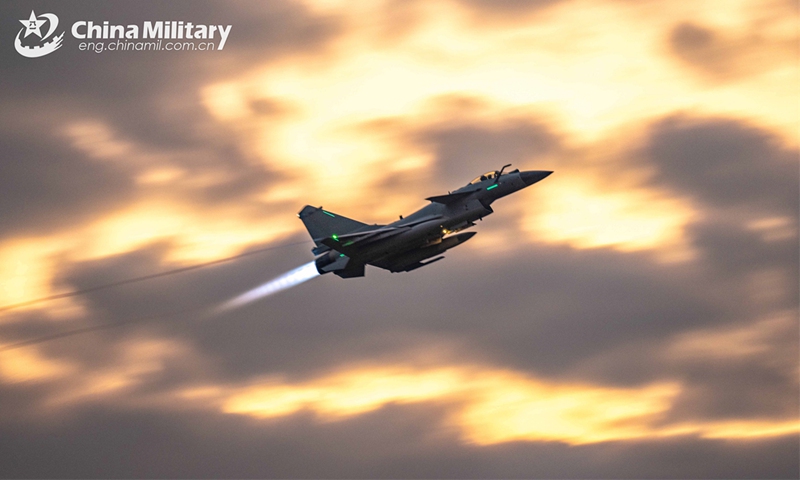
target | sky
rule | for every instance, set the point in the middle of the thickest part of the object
(634, 315)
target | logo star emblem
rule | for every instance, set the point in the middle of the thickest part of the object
(33, 25)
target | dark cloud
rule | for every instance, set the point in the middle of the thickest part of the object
(720, 56)
(261, 32)
(756, 389)
(46, 186)
(603, 308)
(737, 250)
(610, 315)
(737, 253)
(726, 163)
(502, 311)
(468, 149)
(722, 381)
(508, 9)
(687, 36)
(149, 100)
(702, 48)
(596, 316)
(384, 316)
(745, 175)
(394, 442)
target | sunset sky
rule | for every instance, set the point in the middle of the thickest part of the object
(634, 315)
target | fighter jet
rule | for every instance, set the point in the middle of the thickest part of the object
(346, 246)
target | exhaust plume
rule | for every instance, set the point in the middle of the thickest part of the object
(287, 280)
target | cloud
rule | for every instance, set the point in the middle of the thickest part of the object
(726, 163)
(47, 187)
(748, 179)
(641, 306)
(619, 318)
(470, 148)
(123, 165)
(101, 442)
(507, 9)
(721, 54)
(178, 133)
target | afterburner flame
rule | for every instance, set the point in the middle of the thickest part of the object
(287, 280)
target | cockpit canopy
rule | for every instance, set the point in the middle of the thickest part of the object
(484, 177)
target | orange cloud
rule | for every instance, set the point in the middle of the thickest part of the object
(304, 117)
(489, 406)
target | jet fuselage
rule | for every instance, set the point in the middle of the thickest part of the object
(403, 244)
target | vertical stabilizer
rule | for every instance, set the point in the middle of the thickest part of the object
(323, 224)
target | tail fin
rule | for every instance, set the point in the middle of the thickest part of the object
(322, 224)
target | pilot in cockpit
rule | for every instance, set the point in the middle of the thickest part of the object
(484, 177)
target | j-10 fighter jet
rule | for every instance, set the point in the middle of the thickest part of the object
(346, 246)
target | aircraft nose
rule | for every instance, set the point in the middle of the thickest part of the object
(532, 176)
